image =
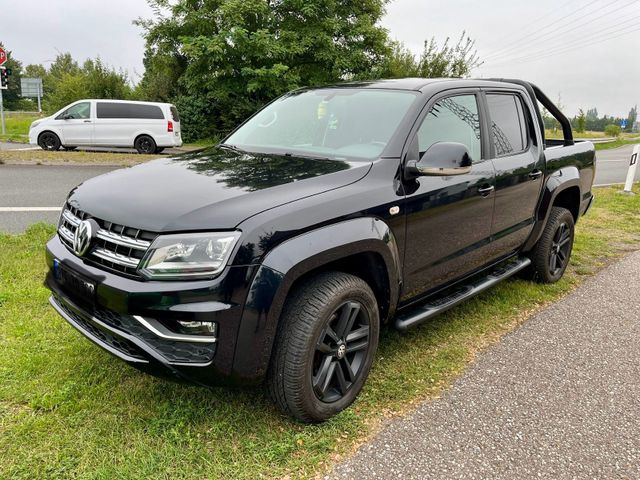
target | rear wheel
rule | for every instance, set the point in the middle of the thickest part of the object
(550, 257)
(326, 343)
(159, 149)
(49, 141)
(145, 144)
(68, 149)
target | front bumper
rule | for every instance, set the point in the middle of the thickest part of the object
(127, 316)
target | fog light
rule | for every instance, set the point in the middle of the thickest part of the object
(197, 328)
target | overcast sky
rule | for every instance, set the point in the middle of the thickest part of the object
(516, 38)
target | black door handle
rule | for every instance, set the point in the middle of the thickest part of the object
(485, 191)
(535, 174)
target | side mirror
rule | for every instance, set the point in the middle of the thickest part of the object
(67, 116)
(442, 159)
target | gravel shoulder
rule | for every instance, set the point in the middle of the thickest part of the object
(557, 398)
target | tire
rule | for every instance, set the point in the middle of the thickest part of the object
(49, 141)
(308, 376)
(550, 256)
(159, 149)
(144, 144)
(69, 149)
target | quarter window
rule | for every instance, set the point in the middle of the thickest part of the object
(452, 119)
(508, 125)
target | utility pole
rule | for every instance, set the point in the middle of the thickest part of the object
(2, 111)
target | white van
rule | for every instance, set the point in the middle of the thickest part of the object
(149, 127)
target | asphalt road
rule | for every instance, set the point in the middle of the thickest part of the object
(612, 165)
(559, 398)
(25, 187)
(25, 190)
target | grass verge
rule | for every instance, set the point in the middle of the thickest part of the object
(615, 144)
(69, 410)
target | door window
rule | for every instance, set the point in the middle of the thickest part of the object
(77, 111)
(452, 119)
(508, 126)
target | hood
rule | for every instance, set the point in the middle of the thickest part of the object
(211, 189)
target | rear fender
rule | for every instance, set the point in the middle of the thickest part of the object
(557, 182)
(291, 260)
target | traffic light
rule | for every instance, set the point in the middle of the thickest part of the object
(4, 76)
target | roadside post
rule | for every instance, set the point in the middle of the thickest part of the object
(631, 173)
(3, 86)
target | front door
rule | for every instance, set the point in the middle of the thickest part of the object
(448, 218)
(76, 124)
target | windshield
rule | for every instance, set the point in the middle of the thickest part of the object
(334, 123)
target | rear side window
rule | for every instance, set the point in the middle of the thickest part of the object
(128, 110)
(174, 113)
(508, 125)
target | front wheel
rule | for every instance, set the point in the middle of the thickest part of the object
(327, 339)
(49, 141)
(550, 256)
(145, 144)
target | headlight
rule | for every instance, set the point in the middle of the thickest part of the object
(35, 124)
(188, 255)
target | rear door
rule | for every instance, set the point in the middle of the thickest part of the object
(519, 165)
(76, 124)
(175, 118)
(448, 218)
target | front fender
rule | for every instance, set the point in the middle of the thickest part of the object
(288, 262)
(556, 183)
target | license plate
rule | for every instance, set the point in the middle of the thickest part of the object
(73, 283)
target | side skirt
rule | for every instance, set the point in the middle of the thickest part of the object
(459, 293)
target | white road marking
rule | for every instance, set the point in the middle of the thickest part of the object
(30, 209)
(25, 149)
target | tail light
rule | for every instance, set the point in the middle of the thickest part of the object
(169, 126)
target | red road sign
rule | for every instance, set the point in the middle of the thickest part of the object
(3, 56)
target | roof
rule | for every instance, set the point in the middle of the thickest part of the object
(417, 84)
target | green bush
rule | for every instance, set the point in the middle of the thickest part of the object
(612, 130)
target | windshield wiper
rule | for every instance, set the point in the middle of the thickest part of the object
(233, 148)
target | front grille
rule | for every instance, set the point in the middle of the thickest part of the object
(115, 247)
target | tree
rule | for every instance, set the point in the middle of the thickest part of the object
(631, 118)
(612, 130)
(447, 61)
(581, 121)
(233, 56)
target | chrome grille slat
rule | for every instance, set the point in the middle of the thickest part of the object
(117, 246)
(114, 257)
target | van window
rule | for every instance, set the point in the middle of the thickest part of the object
(77, 111)
(128, 110)
(174, 113)
(508, 127)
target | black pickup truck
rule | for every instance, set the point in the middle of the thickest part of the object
(277, 255)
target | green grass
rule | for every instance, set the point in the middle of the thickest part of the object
(615, 144)
(17, 126)
(69, 410)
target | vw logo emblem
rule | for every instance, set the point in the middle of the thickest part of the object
(82, 238)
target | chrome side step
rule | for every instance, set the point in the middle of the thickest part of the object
(434, 306)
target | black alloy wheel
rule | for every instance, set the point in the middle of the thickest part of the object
(340, 352)
(560, 249)
(49, 141)
(144, 144)
(550, 256)
(326, 342)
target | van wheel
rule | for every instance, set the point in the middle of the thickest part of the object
(326, 342)
(159, 149)
(49, 141)
(145, 144)
(550, 256)
(68, 149)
